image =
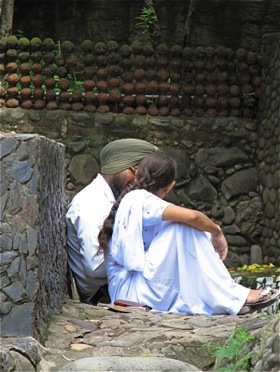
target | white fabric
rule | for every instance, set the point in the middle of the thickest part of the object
(84, 219)
(182, 273)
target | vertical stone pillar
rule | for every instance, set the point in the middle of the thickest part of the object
(269, 147)
(33, 256)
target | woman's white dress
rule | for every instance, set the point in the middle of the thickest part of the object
(169, 266)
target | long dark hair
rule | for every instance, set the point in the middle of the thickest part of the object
(155, 171)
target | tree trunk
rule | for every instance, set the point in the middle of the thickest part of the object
(6, 17)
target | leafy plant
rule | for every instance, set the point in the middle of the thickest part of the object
(232, 355)
(147, 20)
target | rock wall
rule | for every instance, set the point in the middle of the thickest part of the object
(217, 163)
(33, 260)
(269, 144)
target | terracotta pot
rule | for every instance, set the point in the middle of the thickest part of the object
(25, 93)
(89, 98)
(64, 96)
(77, 106)
(27, 104)
(12, 80)
(50, 95)
(89, 84)
(11, 67)
(39, 104)
(36, 68)
(50, 83)
(12, 103)
(38, 94)
(102, 86)
(25, 81)
(128, 110)
(128, 100)
(52, 105)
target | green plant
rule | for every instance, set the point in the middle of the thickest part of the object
(233, 355)
(147, 20)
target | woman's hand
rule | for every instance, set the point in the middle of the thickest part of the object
(221, 246)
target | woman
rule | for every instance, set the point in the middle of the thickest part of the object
(166, 256)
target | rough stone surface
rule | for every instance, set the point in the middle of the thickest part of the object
(32, 233)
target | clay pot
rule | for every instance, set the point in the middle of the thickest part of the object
(89, 72)
(163, 75)
(163, 88)
(26, 104)
(102, 86)
(25, 93)
(129, 110)
(64, 96)
(223, 102)
(12, 92)
(211, 102)
(38, 94)
(139, 74)
(199, 90)
(115, 95)
(151, 74)
(49, 71)
(102, 73)
(128, 88)
(141, 110)
(211, 89)
(234, 90)
(77, 106)
(128, 100)
(89, 98)
(89, 59)
(163, 100)
(175, 112)
(140, 99)
(236, 112)
(211, 112)
(90, 108)
(25, 81)
(12, 103)
(127, 76)
(76, 96)
(71, 61)
(25, 68)
(11, 67)
(235, 102)
(39, 104)
(63, 84)
(102, 98)
(49, 83)
(140, 88)
(163, 111)
(222, 89)
(64, 106)
(152, 110)
(52, 105)
(174, 102)
(50, 95)
(175, 77)
(36, 68)
(114, 82)
(175, 89)
(152, 87)
(12, 80)
(49, 57)
(103, 109)
(89, 84)
(36, 57)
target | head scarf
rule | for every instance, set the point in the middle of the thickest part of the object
(122, 154)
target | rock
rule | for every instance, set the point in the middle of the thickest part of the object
(127, 364)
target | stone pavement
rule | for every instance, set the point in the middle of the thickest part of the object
(88, 338)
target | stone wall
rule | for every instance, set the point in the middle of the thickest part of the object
(269, 143)
(33, 260)
(217, 160)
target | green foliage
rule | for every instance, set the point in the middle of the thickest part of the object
(233, 353)
(147, 20)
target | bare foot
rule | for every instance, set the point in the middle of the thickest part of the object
(253, 296)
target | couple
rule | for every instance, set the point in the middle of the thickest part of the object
(165, 256)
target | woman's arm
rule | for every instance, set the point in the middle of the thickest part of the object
(199, 221)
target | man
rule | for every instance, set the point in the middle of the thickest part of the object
(90, 207)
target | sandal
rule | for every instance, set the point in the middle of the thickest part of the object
(265, 299)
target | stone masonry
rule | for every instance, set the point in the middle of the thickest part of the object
(33, 261)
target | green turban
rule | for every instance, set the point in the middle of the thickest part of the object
(122, 154)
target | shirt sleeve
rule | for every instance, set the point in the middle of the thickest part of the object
(153, 208)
